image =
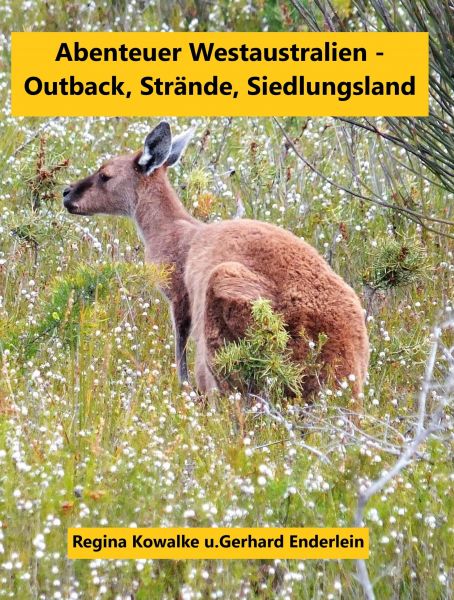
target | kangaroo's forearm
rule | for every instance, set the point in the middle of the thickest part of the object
(181, 318)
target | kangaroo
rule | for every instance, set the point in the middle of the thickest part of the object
(220, 268)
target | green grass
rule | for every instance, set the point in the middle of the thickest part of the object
(94, 429)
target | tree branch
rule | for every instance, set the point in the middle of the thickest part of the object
(413, 215)
(408, 453)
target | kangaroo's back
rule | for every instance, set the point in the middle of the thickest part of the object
(232, 263)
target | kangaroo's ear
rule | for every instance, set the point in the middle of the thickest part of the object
(156, 148)
(179, 143)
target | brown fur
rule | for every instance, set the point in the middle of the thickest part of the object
(220, 268)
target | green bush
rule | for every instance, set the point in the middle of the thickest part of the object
(396, 264)
(261, 361)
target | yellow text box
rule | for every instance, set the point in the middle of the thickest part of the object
(213, 74)
(218, 543)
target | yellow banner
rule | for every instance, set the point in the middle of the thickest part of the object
(213, 74)
(181, 543)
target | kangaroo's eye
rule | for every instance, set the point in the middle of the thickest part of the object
(103, 177)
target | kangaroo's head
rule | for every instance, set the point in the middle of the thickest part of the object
(112, 189)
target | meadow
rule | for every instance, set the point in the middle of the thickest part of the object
(94, 427)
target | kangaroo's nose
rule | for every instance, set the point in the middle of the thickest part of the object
(66, 191)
